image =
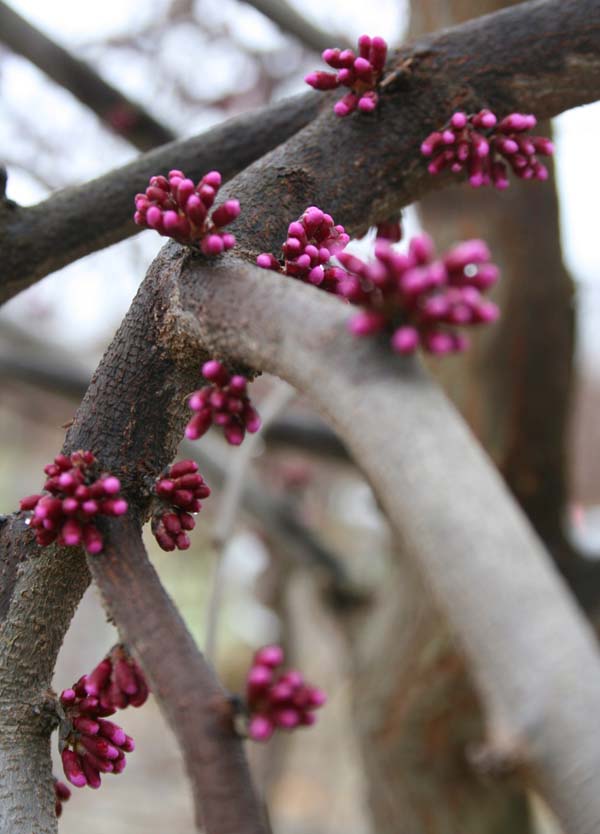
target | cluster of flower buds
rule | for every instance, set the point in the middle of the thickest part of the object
(418, 299)
(312, 241)
(61, 794)
(484, 147)
(224, 402)
(361, 74)
(278, 700)
(180, 490)
(76, 494)
(117, 681)
(177, 208)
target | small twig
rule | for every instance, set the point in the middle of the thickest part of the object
(119, 113)
(275, 401)
(295, 24)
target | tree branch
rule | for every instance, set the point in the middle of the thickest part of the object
(295, 24)
(542, 56)
(523, 666)
(76, 221)
(119, 113)
(189, 694)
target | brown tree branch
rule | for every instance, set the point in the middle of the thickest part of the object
(73, 222)
(295, 24)
(542, 56)
(119, 113)
(189, 694)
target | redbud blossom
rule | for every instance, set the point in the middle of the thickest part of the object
(76, 493)
(179, 490)
(224, 402)
(116, 682)
(176, 207)
(361, 74)
(485, 148)
(312, 241)
(61, 794)
(89, 744)
(420, 300)
(276, 699)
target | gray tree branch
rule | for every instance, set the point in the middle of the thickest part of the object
(119, 113)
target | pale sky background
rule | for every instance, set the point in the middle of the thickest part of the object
(82, 304)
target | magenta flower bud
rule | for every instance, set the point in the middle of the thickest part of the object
(72, 533)
(458, 120)
(86, 725)
(287, 718)
(119, 765)
(92, 540)
(112, 732)
(252, 420)
(317, 698)
(91, 773)
(215, 372)
(72, 768)
(213, 178)
(67, 696)
(346, 105)
(438, 343)
(363, 68)
(405, 340)
(364, 324)
(259, 677)
(260, 728)
(267, 261)
(234, 434)
(270, 656)
(61, 790)
(368, 102)
(421, 248)
(29, 503)
(154, 217)
(212, 245)
(111, 485)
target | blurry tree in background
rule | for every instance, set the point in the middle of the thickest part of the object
(388, 558)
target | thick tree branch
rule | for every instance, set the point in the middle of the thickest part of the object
(118, 112)
(542, 56)
(76, 221)
(478, 554)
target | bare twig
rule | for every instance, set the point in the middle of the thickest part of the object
(275, 401)
(295, 24)
(118, 112)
